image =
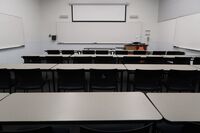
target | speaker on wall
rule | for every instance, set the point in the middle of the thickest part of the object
(54, 37)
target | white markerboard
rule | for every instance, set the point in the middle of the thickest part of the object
(99, 12)
(11, 31)
(99, 32)
(188, 32)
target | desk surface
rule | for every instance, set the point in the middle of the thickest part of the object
(66, 107)
(159, 67)
(197, 66)
(27, 66)
(3, 95)
(47, 55)
(142, 56)
(90, 66)
(164, 56)
(93, 55)
(177, 107)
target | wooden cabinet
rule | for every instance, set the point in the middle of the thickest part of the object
(139, 47)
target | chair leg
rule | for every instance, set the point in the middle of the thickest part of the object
(49, 86)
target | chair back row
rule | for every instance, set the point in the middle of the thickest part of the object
(111, 60)
(117, 52)
(102, 79)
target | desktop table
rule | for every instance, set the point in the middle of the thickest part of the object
(94, 55)
(197, 66)
(77, 107)
(142, 56)
(3, 95)
(177, 107)
(89, 66)
(27, 66)
(166, 67)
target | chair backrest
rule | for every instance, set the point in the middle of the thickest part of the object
(88, 52)
(74, 77)
(182, 80)
(191, 128)
(139, 52)
(82, 60)
(28, 75)
(175, 53)
(131, 60)
(40, 130)
(148, 77)
(154, 60)
(196, 61)
(54, 59)
(121, 52)
(5, 76)
(53, 51)
(103, 78)
(102, 52)
(182, 60)
(117, 129)
(105, 60)
(68, 52)
(159, 52)
(31, 59)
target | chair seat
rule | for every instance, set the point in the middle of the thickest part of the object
(68, 87)
(5, 86)
(30, 85)
(103, 87)
(181, 88)
(148, 87)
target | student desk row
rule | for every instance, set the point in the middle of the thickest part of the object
(63, 108)
(101, 66)
(99, 107)
(122, 69)
(112, 59)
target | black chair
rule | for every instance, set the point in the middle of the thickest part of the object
(121, 52)
(182, 60)
(147, 80)
(54, 52)
(139, 52)
(103, 80)
(165, 126)
(71, 80)
(31, 59)
(117, 128)
(154, 60)
(181, 81)
(68, 52)
(82, 60)
(54, 59)
(100, 52)
(191, 128)
(159, 52)
(196, 61)
(175, 53)
(29, 79)
(105, 60)
(5, 80)
(38, 130)
(131, 60)
(88, 52)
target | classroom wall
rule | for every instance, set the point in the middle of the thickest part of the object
(171, 9)
(169, 12)
(29, 10)
(147, 10)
